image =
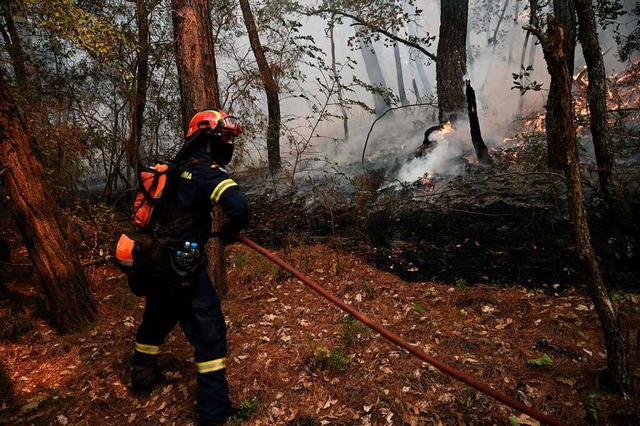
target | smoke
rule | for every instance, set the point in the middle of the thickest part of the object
(445, 159)
(394, 139)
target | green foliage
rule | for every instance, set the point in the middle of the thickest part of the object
(351, 329)
(248, 407)
(513, 421)
(334, 360)
(591, 406)
(543, 361)
(462, 283)
(89, 30)
(419, 308)
(522, 80)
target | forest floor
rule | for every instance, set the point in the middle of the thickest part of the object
(479, 273)
(295, 359)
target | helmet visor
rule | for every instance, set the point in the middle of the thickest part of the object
(229, 124)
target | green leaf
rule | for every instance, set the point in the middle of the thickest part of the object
(513, 420)
(541, 362)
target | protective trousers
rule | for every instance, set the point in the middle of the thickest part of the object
(197, 308)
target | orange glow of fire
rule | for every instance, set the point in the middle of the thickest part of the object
(447, 128)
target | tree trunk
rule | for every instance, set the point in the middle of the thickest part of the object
(399, 76)
(65, 286)
(374, 72)
(195, 57)
(451, 65)
(617, 350)
(140, 85)
(597, 98)
(336, 77)
(199, 90)
(476, 135)
(270, 88)
(516, 12)
(565, 14)
(419, 64)
(14, 46)
(533, 21)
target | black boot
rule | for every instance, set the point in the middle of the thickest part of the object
(230, 413)
(145, 374)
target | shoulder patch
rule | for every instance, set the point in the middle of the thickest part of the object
(186, 175)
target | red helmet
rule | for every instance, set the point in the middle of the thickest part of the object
(215, 120)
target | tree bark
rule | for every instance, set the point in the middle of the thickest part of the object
(566, 16)
(474, 123)
(615, 342)
(270, 88)
(64, 284)
(195, 58)
(597, 99)
(376, 78)
(451, 65)
(140, 85)
(533, 21)
(336, 77)
(399, 75)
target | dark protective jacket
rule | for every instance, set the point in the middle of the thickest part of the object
(201, 185)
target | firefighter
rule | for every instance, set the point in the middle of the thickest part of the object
(188, 296)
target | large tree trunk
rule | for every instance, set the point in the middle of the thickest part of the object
(451, 65)
(270, 88)
(565, 14)
(195, 57)
(617, 350)
(64, 283)
(199, 90)
(597, 98)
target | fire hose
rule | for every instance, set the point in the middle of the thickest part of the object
(397, 340)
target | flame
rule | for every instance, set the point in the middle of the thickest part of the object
(446, 128)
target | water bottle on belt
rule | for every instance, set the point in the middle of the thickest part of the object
(185, 260)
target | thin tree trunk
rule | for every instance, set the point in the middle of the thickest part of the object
(617, 349)
(474, 123)
(65, 286)
(533, 21)
(494, 39)
(270, 88)
(140, 85)
(597, 99)
(336, 77)
(399, 76)
(419, 64)
(516, 12)
(14, 46)
(451, 65)
(376, 78)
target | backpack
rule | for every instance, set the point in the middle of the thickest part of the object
(152, 184)
(140, 254)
